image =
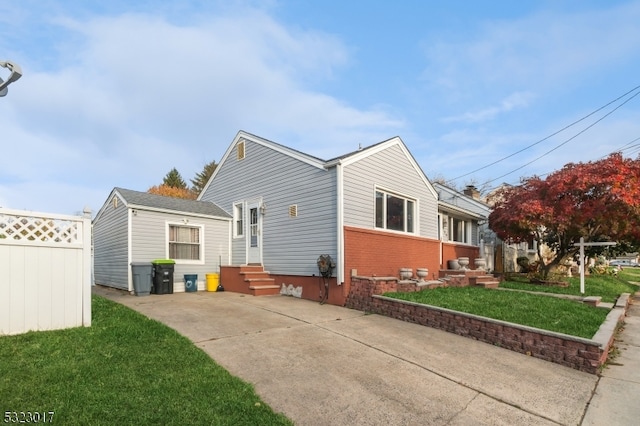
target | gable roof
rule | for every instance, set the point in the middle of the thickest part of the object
(362, 153)
(147, 201)
(348, 158)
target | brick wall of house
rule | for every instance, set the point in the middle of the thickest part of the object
(452, 250)
(376, 253)
(580, 354)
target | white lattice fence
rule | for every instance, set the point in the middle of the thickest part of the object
(45, 271)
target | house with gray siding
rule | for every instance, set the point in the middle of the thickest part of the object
(137, 226)
(373, 211)
(464, 220)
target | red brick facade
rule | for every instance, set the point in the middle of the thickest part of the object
(452, 250)
(377, 253)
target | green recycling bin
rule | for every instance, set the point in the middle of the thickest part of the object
(190, 282)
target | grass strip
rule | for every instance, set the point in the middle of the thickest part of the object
(606, 286)
(547, 313)
(125, 369)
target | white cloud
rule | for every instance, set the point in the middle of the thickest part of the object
(135, 95)
(513, 101)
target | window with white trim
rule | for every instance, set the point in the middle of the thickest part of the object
(460, 230)
(395, 212)
(185, 242)
(238, 219)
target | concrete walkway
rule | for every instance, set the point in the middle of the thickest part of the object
(328, 365)
(617, 397)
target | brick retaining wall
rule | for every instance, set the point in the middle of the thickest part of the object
(581, 354)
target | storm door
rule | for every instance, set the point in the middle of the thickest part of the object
(254, 242)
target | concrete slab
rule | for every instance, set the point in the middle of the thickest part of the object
(615, 401)
(506, 376)
(327, 365)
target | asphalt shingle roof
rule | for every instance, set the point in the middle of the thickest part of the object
(144, 199)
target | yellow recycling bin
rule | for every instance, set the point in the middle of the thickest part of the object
(212, 282)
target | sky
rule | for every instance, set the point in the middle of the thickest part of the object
(117, 93)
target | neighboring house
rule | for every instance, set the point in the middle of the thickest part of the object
(464, 222)
(506, 253)
(137, 226)
(373, 211)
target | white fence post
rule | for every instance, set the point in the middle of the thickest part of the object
(86, 258)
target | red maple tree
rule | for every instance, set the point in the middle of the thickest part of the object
(597, 200)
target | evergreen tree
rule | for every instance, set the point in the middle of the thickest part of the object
(201, 179)
(174, 180)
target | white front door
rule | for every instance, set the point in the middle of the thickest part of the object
(254, 240)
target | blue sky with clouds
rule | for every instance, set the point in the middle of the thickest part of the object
(117, 93)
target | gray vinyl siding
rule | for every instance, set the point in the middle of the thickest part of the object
(149, 242)
(389, 170)
(462, 202)
(451, 197)
(290, 245)
(110, 245)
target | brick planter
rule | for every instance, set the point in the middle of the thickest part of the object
(581, 354)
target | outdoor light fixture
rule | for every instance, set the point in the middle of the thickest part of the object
(16, 73)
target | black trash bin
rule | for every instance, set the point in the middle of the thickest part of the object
(142, 273)
(163, 276)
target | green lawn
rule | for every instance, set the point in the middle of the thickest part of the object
(606, 286)
(125, 369)
(630, 274)
(544, 312)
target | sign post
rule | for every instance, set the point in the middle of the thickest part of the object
(582, 245)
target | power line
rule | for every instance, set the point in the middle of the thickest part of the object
(568, 140)
(550, 136)
(628, 147)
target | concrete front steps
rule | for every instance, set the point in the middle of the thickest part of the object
(258, 280)
(463, 278)
(248, 279)
(486, 281)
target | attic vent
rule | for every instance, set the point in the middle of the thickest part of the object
(240, 150)
(115, 202)
(293, 210)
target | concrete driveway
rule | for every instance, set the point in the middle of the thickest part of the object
(328, 365)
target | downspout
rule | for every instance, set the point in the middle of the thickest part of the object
(340, 222)
(440, 242)
(129, 248)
